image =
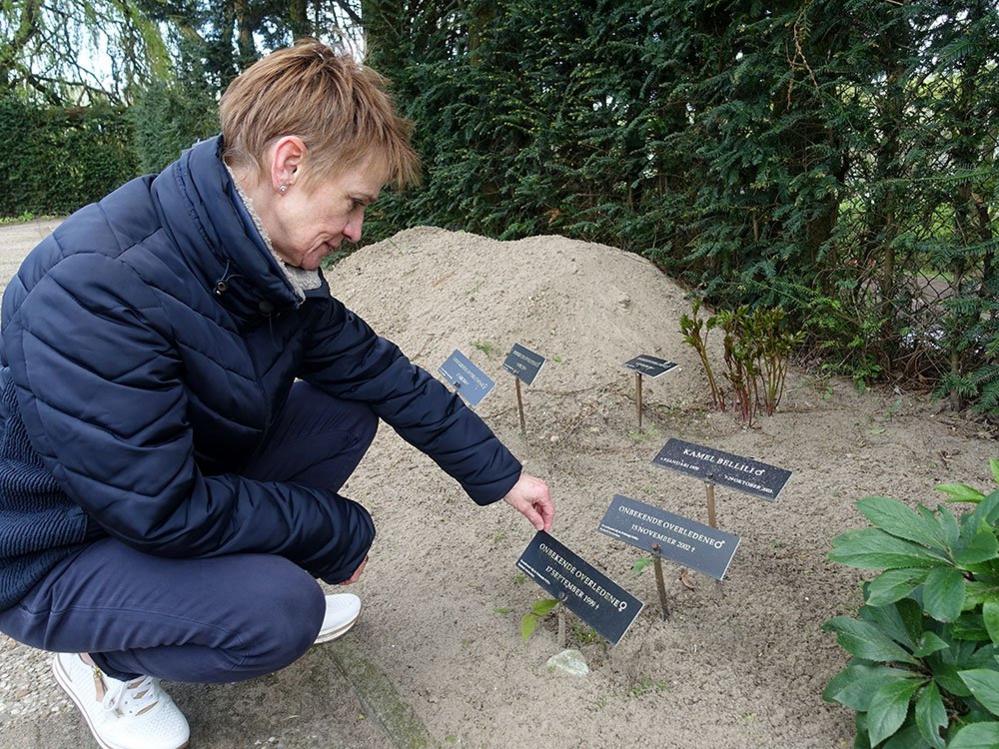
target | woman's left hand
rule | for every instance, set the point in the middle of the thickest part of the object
(530, 497)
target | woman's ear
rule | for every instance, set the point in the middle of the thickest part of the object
(287, 155)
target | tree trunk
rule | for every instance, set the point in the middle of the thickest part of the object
(298, 19)
(245, 23)
(988, 285)
(27, 27)
(964, 156)
(480, 17)
(883, 224)
(385, 22)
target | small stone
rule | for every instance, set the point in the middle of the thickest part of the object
(570, 662)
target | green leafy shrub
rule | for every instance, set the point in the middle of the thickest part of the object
(740, 360)
(529, 622)
(773, 345)
(925, 665)
(756, 350)
(691, 327)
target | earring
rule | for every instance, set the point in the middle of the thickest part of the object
(283, 189)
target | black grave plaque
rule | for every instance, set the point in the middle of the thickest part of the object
(679, 539)
(471, 383)
(650, 366)
(585, 590)
(523, 363)
(735, 472)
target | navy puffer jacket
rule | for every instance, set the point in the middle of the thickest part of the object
(148, 345)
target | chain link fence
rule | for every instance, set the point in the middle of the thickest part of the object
(914, 253)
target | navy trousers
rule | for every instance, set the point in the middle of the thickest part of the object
(220, 619)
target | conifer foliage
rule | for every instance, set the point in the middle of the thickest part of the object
(835, 158)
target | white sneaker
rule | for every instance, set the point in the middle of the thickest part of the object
(342, 610)
(135, 714)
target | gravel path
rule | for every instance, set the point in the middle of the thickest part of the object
(27, 693)
(16, 241)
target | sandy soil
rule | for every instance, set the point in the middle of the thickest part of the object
(739, 665)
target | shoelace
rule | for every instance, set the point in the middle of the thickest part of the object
(132, 697)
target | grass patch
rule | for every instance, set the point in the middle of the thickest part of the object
(486, 347)
(21, 219)
(583, 634)
(646, 685)
(644, 435)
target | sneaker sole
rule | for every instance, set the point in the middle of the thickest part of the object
(335, 633)
(63, 680)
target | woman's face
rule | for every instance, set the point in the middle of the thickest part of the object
(305, 225)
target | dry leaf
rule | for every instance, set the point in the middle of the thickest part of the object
(687, 581)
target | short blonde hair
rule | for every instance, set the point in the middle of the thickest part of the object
(338, 107)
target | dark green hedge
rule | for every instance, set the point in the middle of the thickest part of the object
(838, 158)
(58, 159)
(168, 118)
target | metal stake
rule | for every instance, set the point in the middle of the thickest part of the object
(520, 406)
(562, 597)
(638, 397)
(657, 562)
(709, 488)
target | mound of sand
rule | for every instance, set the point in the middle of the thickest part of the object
(586, 307)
